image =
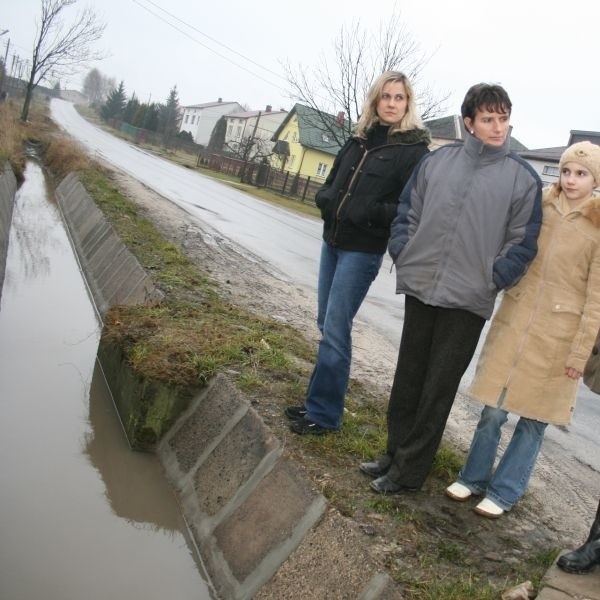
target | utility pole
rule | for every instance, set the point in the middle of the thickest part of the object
(3, 72)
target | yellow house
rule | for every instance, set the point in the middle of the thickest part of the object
(307, 141)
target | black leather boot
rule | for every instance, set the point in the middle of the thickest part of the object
(585, 558)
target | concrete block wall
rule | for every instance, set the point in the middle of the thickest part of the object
(8, 189)
(262, 529)
(112, 272)
(248, 507)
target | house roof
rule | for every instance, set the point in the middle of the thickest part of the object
(554, 154)
(253, 113)
(452, 128)
(210, 104)
(547, 154)
(312, 128)
(577, 135)
(448, 128)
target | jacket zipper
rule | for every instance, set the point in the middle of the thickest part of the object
(352, 181)
(348, 189)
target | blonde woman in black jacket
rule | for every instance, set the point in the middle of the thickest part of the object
(358, 202)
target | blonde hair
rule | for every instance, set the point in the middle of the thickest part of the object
(368, 118)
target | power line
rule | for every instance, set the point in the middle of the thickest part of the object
(209, 48)
(212, 39)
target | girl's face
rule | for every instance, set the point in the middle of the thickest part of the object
(576, 182)
(393, 103)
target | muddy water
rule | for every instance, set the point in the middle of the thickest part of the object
(81, 515)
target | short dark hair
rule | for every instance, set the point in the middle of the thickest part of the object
(492, 98)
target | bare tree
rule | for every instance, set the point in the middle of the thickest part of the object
(341, 83)
(61, 49)
(97, 86)
(249, 148)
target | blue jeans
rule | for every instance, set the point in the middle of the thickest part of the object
(509, 482)
(344, 280)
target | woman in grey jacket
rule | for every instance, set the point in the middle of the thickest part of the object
(466, 228)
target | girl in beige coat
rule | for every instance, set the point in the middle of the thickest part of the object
(539, 340)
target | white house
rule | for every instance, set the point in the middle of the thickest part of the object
(199, 119)
(545, 160)
(257, 124)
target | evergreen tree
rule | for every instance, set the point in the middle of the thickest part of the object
(130, 110)
(217, 136)
(114, 107)
(169, 116)
(146, 117)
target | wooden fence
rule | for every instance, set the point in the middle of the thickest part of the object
(263, 175)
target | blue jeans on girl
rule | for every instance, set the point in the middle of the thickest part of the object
(509, 482)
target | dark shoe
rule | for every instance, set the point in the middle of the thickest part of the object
(295, 412)
(582, 560)
(374, 469)
(384, 485)
(304, 427)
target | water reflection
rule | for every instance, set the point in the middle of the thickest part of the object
(135, 484)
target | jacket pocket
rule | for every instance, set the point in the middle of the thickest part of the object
(379, 166)
(566, 314)
(325, 203)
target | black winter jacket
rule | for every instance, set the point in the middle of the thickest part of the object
(359, 198)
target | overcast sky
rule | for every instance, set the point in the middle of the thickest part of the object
(546, 57)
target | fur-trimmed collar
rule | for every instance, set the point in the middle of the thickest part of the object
(590, 209)
(412, 136)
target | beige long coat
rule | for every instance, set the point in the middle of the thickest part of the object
(548, 321)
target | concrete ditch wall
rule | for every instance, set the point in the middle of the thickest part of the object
(112, 272)
(8, 189)
(262, 529)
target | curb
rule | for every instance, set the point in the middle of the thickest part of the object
(559, 585)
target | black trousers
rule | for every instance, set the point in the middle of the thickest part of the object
(435, 350)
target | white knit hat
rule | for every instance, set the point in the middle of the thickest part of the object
(586, 154)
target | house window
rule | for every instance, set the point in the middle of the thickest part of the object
(292, 160)
(551, 171)
(325, 138)
(187, 118)
(295, 137)
(321, 169)
(229, 130)
(238, 132)
(193, 119)
(287, 135)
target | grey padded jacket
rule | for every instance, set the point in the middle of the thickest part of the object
(467, 226)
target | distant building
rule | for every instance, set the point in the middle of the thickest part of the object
(199, 119)
(257, 124)
(304, 143)
(447, 130)
(545, 160)
(74, 96)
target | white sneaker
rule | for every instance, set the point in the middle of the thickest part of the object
(488, 508)
(459, 492)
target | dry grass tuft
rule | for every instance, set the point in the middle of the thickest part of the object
(11, 139)
(62, 156)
